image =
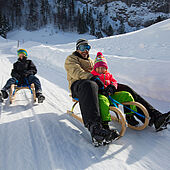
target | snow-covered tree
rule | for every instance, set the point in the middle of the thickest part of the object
(4, 26)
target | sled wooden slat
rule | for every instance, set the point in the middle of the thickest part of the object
(121, 119)
(75, 116)
(33, 91)
(145, 112)
(14, 88)
(11, 95)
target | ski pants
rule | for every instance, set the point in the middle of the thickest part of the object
(121, 97)
(31, 79)
(87, 92)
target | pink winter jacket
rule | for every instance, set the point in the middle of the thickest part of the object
(106, 78)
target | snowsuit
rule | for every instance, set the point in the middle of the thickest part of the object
(22, 70)
(104, 102)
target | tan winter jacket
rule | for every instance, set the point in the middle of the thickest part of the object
(78, 68)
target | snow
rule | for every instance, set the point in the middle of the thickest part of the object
(43, 136)
(47, 35)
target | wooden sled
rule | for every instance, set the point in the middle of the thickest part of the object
(120, 116)
(14, 88)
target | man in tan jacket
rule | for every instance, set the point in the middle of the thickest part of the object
(85, 87)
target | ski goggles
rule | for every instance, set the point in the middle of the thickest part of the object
(84, 47)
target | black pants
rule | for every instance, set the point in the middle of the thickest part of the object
(87, 92)
(153, 113)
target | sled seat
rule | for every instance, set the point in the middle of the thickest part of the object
(14, 88)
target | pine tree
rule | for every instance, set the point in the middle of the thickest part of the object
(100, 21)
(59, 16)
(64, 17)
(4, 26)
(92, 27)
(71, 16)
(45, 16)
(87, 14)
(121, 29)
(84, 22)
(79, 23)
(72, 6)
(91, 22)
(17, 5)
(110, 30)
(106, 9)
(32, 21)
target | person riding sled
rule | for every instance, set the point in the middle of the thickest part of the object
(23, 73)
(100, 70)
(85, 86)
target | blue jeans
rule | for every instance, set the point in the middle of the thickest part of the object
(31, 79)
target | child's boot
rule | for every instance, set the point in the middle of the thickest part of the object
(131, 120)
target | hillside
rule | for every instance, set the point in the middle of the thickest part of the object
(99, 18)
(44, 137)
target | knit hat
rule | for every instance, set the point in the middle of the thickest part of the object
(81, 42)
(22, 51)
(100, 61)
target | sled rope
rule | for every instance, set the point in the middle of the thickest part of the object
(115, 101)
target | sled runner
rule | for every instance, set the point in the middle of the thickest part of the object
(119, 116)
(143, 115)
(14, 88)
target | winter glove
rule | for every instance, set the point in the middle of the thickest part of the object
(110, 89)
(27, 73)
(19, 81)
(98, 81)
(18, 77)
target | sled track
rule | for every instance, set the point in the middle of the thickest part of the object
(43, 134)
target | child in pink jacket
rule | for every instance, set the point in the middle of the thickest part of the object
(110, 86)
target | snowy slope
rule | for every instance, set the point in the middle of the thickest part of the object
(44, 137)
(46, 35)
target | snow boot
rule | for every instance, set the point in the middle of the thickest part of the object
(105, 125)
(153, 118)
(131, 120)
(114, 133)
(101, 136)
(3, 95)
(40, 97)
(98, 134)
(168, 119)
(162, 121)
